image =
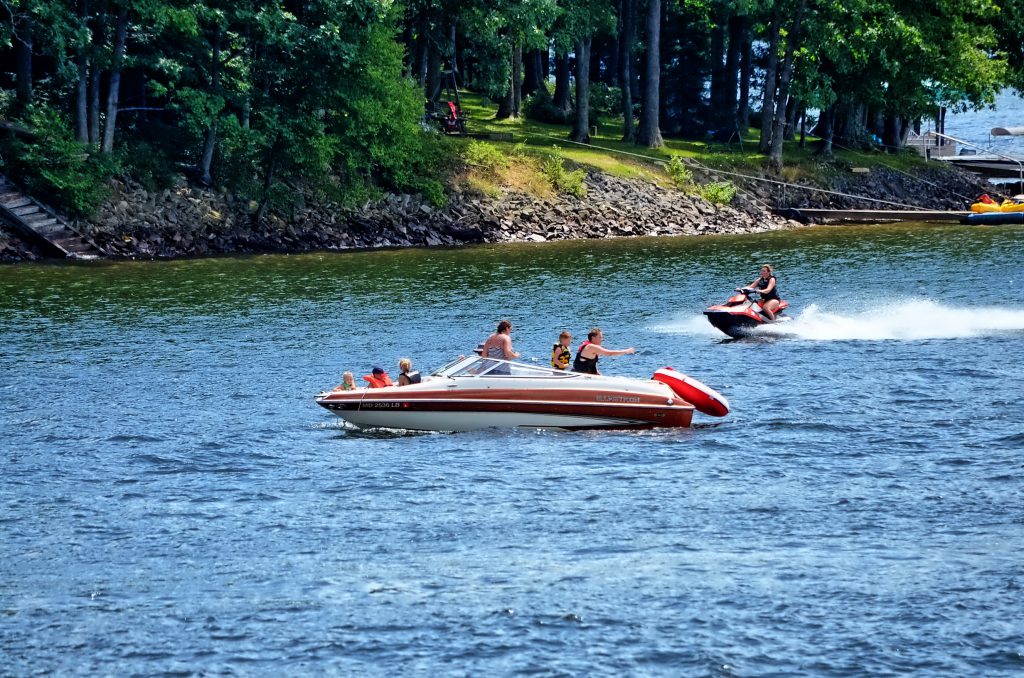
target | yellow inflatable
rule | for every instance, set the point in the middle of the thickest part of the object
(986, 205)
(983, 207)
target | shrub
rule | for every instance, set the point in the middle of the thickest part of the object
(680, 173)
(150, 165)
(485, 156)
(719, 192)
(540, 106)
(605, 102)
(563, 180)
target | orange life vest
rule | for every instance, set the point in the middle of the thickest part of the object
(378, 382)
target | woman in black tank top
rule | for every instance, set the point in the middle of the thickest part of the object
(591, 350)
(766, 285)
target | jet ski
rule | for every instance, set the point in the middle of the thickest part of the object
(742, 314)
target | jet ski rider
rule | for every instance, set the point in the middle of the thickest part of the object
(766, 286)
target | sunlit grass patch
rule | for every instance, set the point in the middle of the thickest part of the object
(608, 154)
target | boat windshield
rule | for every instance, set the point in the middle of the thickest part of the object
(445, 371)
(478, 367)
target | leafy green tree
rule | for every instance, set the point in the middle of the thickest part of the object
(904, 59)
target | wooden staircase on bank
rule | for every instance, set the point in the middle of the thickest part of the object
(39, 225)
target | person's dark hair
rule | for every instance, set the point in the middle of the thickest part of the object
(504, 325)
(594, 331)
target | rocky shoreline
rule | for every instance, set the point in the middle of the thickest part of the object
(187, 221)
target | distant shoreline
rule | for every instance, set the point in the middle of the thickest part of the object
(190, 222)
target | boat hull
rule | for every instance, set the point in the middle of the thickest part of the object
(736, 325)
(994, 218)
(469, 410)
(473, 421)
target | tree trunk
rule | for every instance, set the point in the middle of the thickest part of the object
(22, 40)
(120, 38)
(507, 104)
(826, 129)
(422, 54)
(453, 49)
(650, 131)
(82, 99)
(785, 77)
(849, 123)
(746, 73)
(792, 109)
(803, 127)
(210, 143)
(581, 128)
(517, 78)
(464, 69)
(614, 53)
(717, 99)
(770, 84)
(733, 52)
(82, 83)
(249, 59)
(94, 105)
(268, 182)
(561, 99)
(531, 72)
(627, 32)
(433, 74)
(893, 133)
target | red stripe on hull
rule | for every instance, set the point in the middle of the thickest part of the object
(646, 411)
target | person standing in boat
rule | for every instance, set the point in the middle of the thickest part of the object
(591, 350)
(499, 344)
(561, 356)
(768, 288)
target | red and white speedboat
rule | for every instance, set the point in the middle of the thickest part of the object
(473, 393)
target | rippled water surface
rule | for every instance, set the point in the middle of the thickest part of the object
(975, 127)
(174, 502)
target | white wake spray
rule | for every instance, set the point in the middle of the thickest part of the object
(899, 320)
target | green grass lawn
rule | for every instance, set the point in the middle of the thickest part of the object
(609, 154)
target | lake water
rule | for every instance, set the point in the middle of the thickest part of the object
(976, 126)
(175, 503)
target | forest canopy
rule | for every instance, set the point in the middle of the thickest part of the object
(258, 97)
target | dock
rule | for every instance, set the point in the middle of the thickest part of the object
(806, 215)
(988, 165)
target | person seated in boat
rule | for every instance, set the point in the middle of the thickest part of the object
(767, 286)
(378, 378)
(561, 356)
(348, 382)
(405, 374)
(591, 349)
